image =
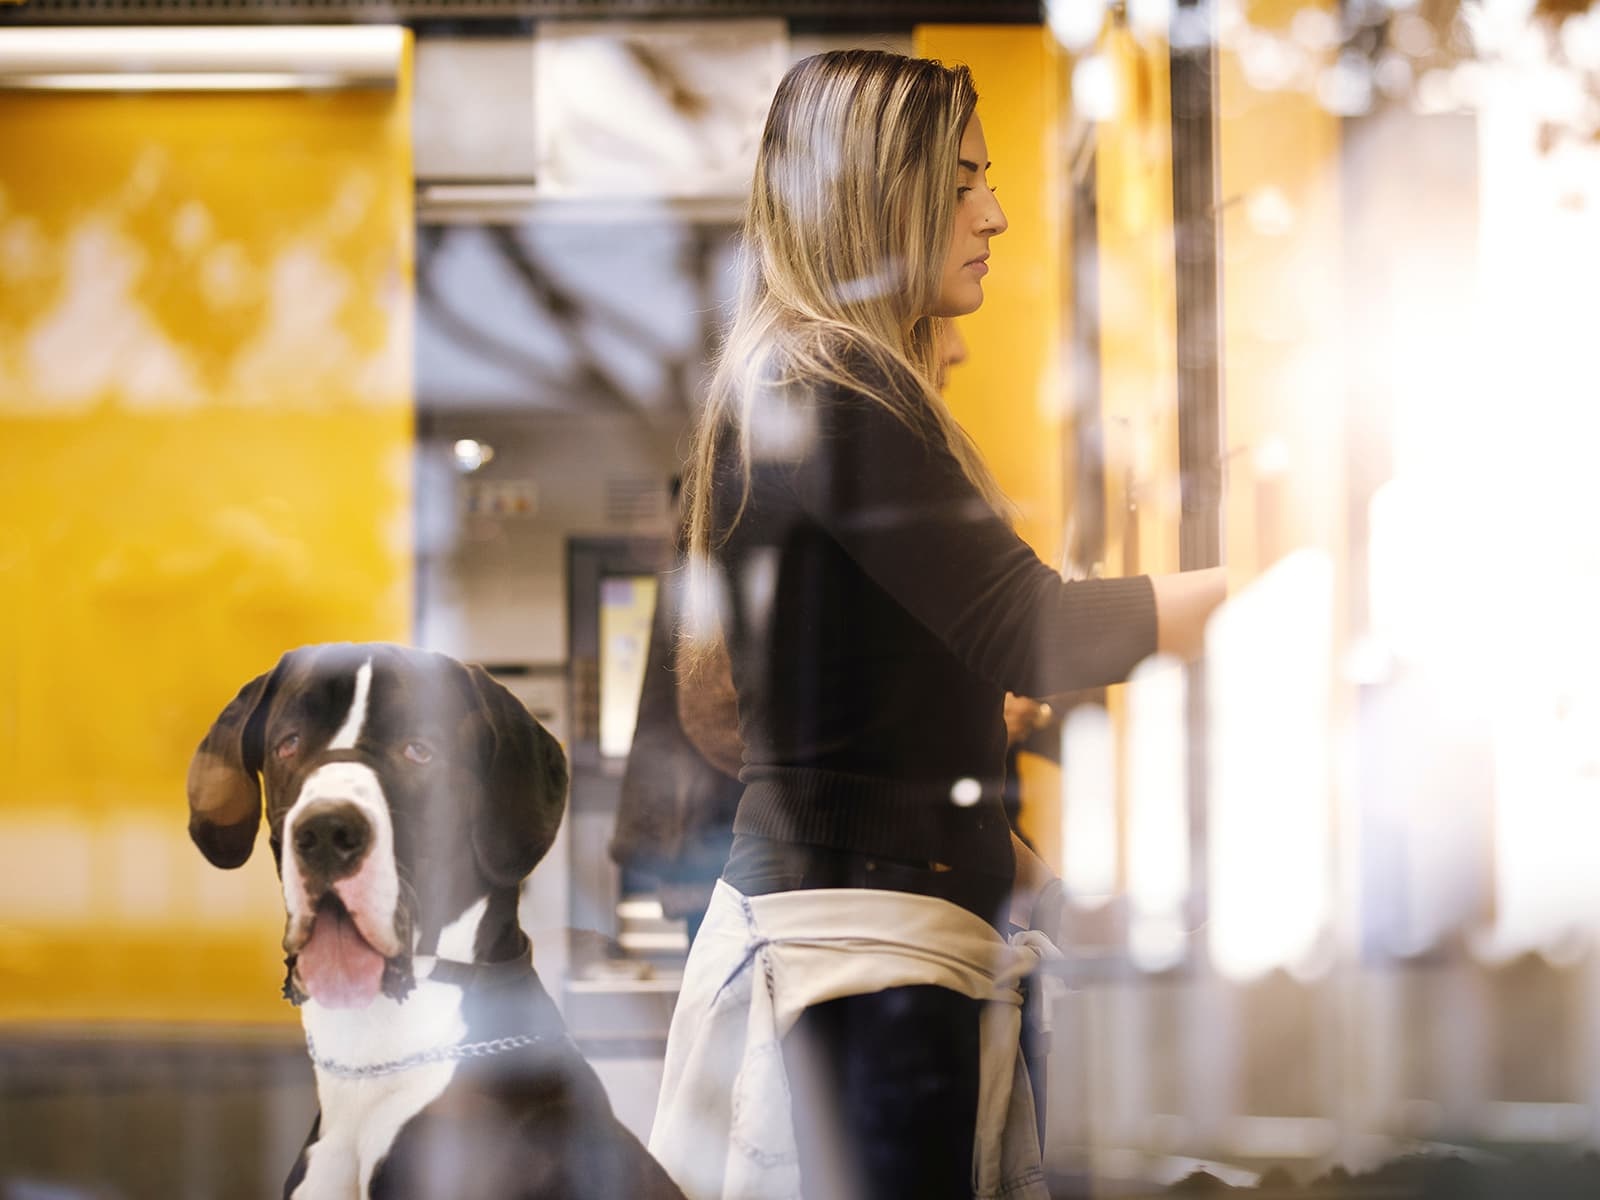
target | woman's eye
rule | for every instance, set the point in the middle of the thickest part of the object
(287, 746)
(418, 752)
(962, 191)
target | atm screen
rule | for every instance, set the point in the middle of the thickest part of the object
(627, 605)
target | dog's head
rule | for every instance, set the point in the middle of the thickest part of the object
(402, 790)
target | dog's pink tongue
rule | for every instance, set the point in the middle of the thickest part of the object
(337, 966)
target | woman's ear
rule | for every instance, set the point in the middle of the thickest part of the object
(224, 785)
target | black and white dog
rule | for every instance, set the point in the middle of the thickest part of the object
(407, 797)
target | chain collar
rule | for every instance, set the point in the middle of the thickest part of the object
(439, 1054)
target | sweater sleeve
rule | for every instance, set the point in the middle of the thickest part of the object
(896, 501)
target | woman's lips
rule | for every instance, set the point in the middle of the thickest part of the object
(978, 267)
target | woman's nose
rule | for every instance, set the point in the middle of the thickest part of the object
(994, 220)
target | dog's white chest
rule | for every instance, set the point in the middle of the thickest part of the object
(360, 1120)
(361, 1117)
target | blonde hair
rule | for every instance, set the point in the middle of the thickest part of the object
(844, 246)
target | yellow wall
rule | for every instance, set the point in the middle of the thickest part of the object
(1009, 395)
(1138, 310)
(205, 457)
(1282, 313)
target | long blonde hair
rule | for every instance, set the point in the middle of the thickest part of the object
(844, 246)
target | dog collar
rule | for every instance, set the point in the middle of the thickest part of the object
(455, 1053)
(463, 974)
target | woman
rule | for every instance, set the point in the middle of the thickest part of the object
(847, 1025)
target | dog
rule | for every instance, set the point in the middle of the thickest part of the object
(407, 796)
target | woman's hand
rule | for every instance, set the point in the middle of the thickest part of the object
(1024, 718)
(1184, 602)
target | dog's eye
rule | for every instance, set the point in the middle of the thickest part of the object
(418, 752)
(287, 746)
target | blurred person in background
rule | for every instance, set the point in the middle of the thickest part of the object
(847, 1025)
(680, 786)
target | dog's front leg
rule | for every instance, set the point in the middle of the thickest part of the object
(328, 1169)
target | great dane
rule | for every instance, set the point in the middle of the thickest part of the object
(407, 796)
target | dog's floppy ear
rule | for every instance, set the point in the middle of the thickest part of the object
(524, 788)
(224, 790)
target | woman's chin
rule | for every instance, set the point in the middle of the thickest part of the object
(958, 304)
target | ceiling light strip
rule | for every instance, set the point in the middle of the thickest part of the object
(201, 58)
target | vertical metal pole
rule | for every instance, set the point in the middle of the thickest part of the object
(1086, 500)
(1196, 243)
(1197, 239)
(1196, 248)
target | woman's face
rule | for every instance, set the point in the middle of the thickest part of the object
(978, 218)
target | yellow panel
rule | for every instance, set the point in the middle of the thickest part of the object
(1138, 311)
(1009, 395)
(1278, 155)
(205, 459)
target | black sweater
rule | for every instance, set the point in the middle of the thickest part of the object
(877, 609)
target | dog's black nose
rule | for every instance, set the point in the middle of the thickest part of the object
(331, 839)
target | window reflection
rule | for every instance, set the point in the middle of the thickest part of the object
(393, 355)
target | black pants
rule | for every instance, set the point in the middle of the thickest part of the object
(885, 1095)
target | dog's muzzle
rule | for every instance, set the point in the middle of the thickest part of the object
(347, 937)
